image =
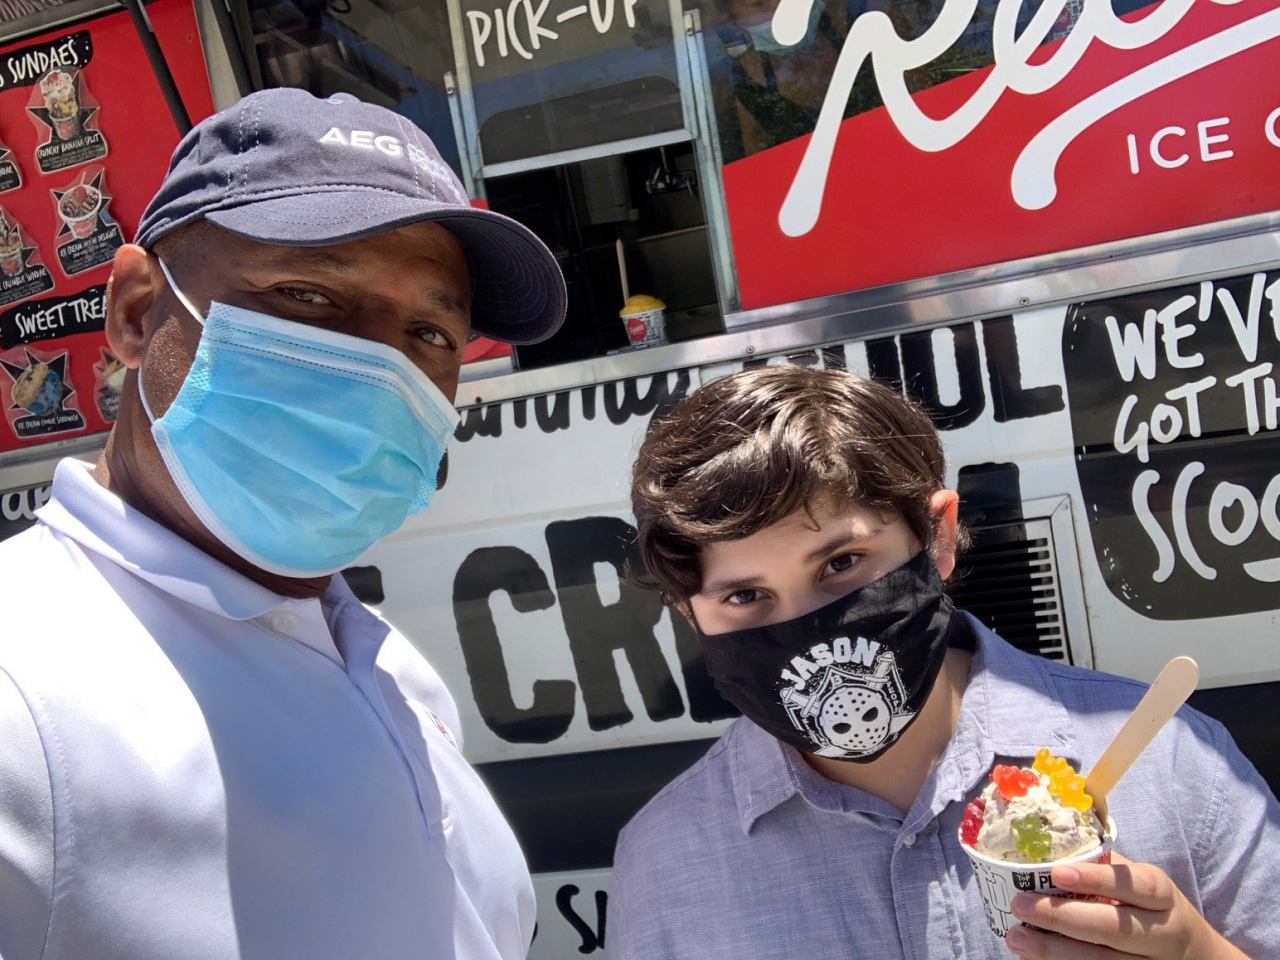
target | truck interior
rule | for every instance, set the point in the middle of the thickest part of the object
(621, 213)
(643, 207)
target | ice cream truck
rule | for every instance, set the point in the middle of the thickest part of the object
(1055, 226)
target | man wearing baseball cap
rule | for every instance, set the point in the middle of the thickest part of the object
(209, 749)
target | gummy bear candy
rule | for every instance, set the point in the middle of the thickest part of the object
(1064, 782)
(1031, 837)
(1013, 781)
(972, 821)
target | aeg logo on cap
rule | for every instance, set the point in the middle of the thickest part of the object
(364, 140)
(284, 167)
(391, 146)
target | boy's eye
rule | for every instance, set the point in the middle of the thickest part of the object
(840, 564)
(741, 598)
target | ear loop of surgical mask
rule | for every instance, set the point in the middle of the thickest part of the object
(191, 309)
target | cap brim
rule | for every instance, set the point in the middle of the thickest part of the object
(518, 292)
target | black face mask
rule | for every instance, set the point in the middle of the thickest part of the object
(845, 680)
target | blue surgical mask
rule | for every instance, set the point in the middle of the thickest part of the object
(763, 40)
(298, 447)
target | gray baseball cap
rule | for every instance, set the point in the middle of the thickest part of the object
(282, 166)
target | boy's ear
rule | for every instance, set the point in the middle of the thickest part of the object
(944, 507)
(682, 607)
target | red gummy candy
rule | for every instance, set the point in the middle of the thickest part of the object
(972, 821)
(1013, 781)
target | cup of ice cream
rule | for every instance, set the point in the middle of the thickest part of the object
(10, 252)
(59, 91)
(79, 208)
(645, 320)
(1027, 821)
(113, 375)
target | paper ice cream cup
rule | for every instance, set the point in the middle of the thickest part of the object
(1000, 881)
(645, 319)
(11, 260)
(59, 92)
(86, 201)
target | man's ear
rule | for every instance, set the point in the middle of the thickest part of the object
(944, 507)
(130, 293)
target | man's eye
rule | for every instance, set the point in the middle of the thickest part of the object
(432, 337)
(840, 564)
(741, 598)
(306, 295)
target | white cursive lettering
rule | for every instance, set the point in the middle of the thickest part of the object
(873, 36)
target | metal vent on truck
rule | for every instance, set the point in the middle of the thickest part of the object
(1008, 579)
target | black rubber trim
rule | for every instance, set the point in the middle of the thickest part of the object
(159, 66)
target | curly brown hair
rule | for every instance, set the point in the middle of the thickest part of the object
(745, 451)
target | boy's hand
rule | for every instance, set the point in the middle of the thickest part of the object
(1150, 918)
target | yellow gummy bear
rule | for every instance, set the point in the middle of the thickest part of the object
(1064, 782)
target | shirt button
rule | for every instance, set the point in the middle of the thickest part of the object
(909, 840)
(284, 621)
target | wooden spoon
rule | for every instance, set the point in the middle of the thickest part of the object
(1169, 692)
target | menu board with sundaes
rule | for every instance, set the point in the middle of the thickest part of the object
(85, 139)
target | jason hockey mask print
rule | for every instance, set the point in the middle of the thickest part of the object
(845, 680)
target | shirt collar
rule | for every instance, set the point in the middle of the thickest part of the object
(83, 510)
(762, 778)
(1010, 707)
(1009, 711)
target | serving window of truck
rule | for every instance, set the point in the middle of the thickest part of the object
(1056, 225)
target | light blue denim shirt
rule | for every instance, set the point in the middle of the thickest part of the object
(751, 854)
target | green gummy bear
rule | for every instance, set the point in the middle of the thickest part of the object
(1032, 837)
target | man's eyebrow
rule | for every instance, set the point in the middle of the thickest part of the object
(320, 257)
(316, 256)
(730, 583)
(442, 301)
(843, 540)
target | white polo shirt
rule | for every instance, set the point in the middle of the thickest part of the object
(194, 767)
